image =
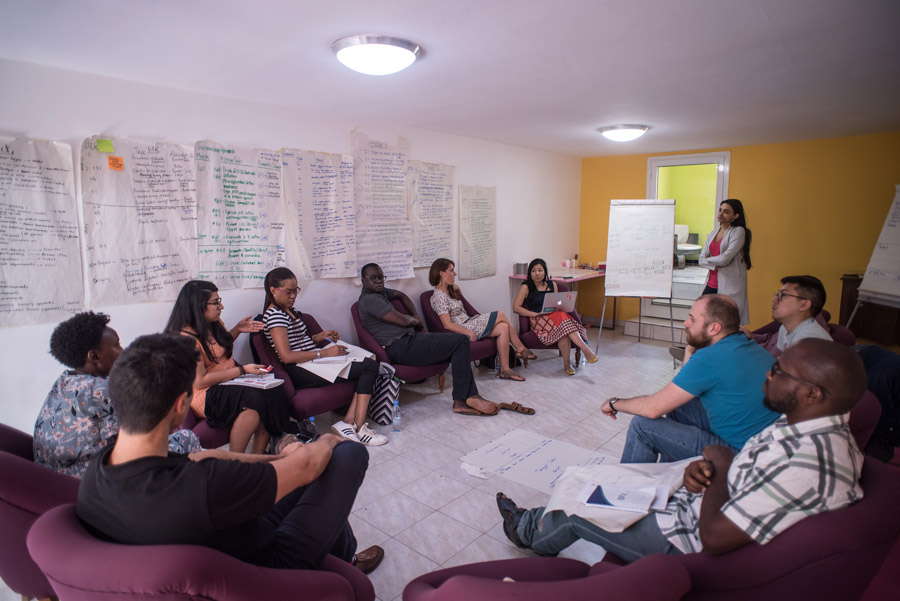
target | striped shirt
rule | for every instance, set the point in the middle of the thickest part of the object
(298, 338)
(782, 475)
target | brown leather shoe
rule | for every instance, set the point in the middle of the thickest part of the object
(369, 559)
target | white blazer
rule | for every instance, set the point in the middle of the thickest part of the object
(730, 266)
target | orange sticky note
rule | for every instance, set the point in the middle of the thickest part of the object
(116, 163)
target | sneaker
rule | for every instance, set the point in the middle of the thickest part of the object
(369, 559)
(370, 437)
(345, 430)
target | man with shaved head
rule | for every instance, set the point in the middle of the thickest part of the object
(714, 399)
(805, 463)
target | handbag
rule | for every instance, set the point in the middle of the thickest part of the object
(387, 390)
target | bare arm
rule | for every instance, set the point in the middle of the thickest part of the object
(283, 346)
(245, 325)
(221, 454)
(519, 303)
(654, 405)
(718, 534)
(399, 319)
(303, 464)
(450, 326)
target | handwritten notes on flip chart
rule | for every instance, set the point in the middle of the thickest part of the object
(640, 248)
(882, 280)
(477, 232)
(241, 214)
(318, 189)
(40, 254)
(140, 219)
(383, 230)
(430, 195)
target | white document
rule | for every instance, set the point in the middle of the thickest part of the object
(265, 381)
(140, 219)
(640, 247)
(430, 196)
(40, 253)
(241, 214)
(331, 368)
(477, 232)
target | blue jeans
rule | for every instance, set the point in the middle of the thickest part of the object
(683, 433)
(559, 531)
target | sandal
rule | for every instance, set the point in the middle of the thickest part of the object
(285, 441)
(510, 375)
(570, 371)
(525, 354)
(479, 404)
(517, 408)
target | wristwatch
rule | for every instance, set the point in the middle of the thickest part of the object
(612, 405)
(318, 354)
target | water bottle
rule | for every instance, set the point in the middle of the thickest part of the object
(395, 415)
(497, 365)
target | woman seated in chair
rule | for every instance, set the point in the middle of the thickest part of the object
(446, 303)
(287, 334)
(248, 412)
(77, 420)
(557, 328)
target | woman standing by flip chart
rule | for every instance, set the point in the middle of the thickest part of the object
(726, 254)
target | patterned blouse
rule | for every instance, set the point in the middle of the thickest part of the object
(443, 304)
(77, 421)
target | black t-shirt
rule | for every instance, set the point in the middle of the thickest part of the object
(173, 500)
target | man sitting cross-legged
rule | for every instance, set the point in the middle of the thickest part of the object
(714, 399)
(796, 306)
(805, 463)
(405, 343)
(288, 511)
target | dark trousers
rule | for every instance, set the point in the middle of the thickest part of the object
(364, 372)
(424, 348)
(311, 522)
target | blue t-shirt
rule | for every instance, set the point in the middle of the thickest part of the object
(728, 377)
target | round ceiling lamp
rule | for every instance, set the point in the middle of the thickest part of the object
(376, 54)
(623, 133)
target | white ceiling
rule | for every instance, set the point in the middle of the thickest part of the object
(532, 73)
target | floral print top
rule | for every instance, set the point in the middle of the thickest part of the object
(77, 421)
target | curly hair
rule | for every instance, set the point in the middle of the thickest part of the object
(73, 338)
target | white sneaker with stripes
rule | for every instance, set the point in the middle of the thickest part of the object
(345, 430)
(370, 437)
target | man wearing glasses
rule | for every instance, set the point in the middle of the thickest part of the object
(404, 342)
(805, 463)
(796, 306)
(714, 399)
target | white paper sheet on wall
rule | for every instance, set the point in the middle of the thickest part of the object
(640, 247)
(140, 219)
(40, 253)
(383, 230)
(477, 232)
(430, 196)
(318, 189)
(241, 214)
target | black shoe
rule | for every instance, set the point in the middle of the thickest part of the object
(369, 559)
(677, 352)
(512, 515)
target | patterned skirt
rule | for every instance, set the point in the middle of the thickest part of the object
(551, 327)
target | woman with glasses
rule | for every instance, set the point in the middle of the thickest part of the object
(249, 412)
(286, 332)
(726, 254)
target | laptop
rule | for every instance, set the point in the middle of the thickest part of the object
(562, 301)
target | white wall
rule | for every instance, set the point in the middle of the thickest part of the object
(538, 196)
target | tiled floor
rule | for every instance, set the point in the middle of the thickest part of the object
(427, 513)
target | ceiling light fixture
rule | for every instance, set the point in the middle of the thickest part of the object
(623, 133)
(376, 54)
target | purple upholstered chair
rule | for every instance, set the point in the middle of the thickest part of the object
(864, 418)
(487, 347)
(656, 577)
(306, 401)
(838, 332)
(407, 373)
(84, 568)
(210, 438)
(530, 339)
(27, 490)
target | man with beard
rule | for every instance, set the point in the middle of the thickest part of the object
(805, 463)
(713, 400)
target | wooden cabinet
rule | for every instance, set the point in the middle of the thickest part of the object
(875, 322)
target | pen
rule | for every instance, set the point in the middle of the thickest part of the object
(329, 340)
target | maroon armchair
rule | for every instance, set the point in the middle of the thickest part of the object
(304, 402)
(407, 373)
(481, 349)
(27, 491)
(656, 577)
(530, 339)
(84, 568)
(838, 332)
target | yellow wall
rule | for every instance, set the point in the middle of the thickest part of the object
(694, 189)
(814, 207)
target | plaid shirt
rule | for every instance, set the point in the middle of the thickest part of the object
(782, 475)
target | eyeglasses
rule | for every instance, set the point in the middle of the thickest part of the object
(776, 370)
(217, 302)
(781, 294)
(289, 291)
(378, 277)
